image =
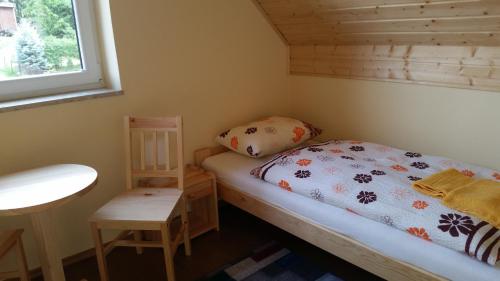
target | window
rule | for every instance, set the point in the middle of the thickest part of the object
(47, 47)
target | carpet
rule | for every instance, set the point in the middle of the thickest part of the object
(273, 262)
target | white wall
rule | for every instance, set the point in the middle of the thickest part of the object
(456, 123)
(218, 63)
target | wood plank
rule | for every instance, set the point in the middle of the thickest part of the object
(401, 38)
(464, 24)
(467, 22)
(153, 123)
(462, 67)
(288, 15)
(351, 4)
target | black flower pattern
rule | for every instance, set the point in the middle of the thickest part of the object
(250, 151)
(302, 174)
(357, 148)
(250, 131)
(362, 178)
(317, 195)
(456, 224)
(366, 197)
(313, 130)
(377, 173)
(256, 172)
(325, 158)
(347, 157)
(357, 166)
(369, 160)
(420, 165)
(413, 155)
(315, 149)
(387, 220)
(224, 134)
(284, 162)
(414, 178)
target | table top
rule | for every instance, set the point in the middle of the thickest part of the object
(43, 188)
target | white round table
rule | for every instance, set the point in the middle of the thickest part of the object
(36, 191)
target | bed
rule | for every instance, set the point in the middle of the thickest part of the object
(385, 251)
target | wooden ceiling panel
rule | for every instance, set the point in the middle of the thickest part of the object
(443, 22)
(439, 10)
(397, 38)
(452, 43)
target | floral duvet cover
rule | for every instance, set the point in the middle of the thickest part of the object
(375, 181)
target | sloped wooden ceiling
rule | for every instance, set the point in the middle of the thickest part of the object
(454, 43)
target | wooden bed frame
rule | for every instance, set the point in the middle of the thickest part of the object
(335, 243)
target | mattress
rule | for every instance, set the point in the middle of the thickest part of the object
(234, 169)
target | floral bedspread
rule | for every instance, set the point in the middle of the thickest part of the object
(375, 181)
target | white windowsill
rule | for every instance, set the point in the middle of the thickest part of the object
(58, 98)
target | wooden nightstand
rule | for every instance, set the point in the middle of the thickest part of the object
(200, 189)
(201, 192)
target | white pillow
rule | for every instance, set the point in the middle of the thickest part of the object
(268, 136)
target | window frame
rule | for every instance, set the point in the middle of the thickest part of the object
(90, 77)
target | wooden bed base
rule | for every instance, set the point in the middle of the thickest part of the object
(333, 242)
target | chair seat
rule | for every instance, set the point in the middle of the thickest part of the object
(140, 208)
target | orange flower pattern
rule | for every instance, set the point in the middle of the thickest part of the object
(420, 205)
(304, 162)
(285, 185)
(496, 176)
(336, 151)
(299, 133)
(340, 189)
(399, 168)
(419, 232)
(234, 142)
(468, 173)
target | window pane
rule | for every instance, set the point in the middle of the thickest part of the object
(37, 37)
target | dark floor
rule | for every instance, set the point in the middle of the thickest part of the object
(240, 234)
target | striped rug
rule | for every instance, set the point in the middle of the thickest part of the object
(273, 262)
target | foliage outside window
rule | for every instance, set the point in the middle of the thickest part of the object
(50, 41)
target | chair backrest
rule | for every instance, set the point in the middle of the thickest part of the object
(147, 148)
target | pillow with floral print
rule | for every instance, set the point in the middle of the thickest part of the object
(268, 136)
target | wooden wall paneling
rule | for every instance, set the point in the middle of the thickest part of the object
(464, 67)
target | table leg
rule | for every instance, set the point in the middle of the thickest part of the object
(48, 251)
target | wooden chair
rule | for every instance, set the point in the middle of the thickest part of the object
(140, 209)
(8, 240)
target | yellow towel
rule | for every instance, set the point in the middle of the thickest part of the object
(480, 198)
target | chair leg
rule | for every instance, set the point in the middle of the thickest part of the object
(167, 251)
(24, 274)
(216, 204)
(185, 221)
(138, 237)
(99, 250)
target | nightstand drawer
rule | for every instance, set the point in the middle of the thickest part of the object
(199, 191)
